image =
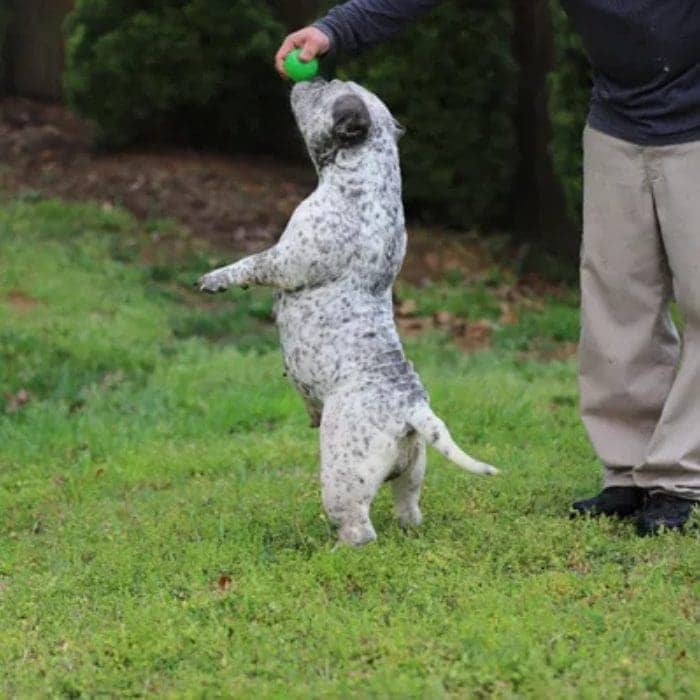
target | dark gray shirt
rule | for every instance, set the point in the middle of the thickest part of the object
(645, 56)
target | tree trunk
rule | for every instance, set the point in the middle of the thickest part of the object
(34, 53)
(539, 206)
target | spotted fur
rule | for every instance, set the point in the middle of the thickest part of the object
(333, 268)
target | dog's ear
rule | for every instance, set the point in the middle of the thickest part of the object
(351, 120)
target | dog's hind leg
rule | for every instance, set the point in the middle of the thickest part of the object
(347, 506)
(407, 485)
(355, 460)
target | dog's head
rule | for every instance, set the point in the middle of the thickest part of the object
(336, 117)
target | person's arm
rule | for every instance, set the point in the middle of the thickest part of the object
(358, 24)
(352, 26)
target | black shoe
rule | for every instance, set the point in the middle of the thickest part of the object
(664, 511)
(622, 501)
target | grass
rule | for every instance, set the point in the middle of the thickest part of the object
(161, 529)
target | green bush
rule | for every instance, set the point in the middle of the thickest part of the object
(194, 69)
(569, 96)
(451, 81)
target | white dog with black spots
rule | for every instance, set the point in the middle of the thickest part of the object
(333, 268)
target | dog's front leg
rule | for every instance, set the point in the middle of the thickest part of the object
(284, 266)
(252, 270)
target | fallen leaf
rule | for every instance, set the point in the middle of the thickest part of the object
(225, 582)
(556, 352)
(475, 336)
(14, 402)
(407, 307)
(444, 318)
(414, 325)
(508, 316)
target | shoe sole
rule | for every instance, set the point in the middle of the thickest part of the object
(575, 514)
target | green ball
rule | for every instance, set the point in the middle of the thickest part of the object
(299, 70)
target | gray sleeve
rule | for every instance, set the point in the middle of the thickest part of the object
(358, 24)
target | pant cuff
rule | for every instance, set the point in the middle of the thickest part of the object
(618, 476)
(689, 493)
(683, 494)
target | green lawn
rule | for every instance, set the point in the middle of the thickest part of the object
(160, 522)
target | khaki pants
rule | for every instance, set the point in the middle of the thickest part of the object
(640, 386)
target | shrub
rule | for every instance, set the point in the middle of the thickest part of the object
(451, 81)
(569, 96)
(194, 69)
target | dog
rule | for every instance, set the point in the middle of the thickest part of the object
(333, 270)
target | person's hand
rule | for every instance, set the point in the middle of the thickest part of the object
(312, 42)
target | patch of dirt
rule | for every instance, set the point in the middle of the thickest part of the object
(468, 335)
(552, 352)
(237, 204)
(433, 253)
(20, 302)
(234, 204)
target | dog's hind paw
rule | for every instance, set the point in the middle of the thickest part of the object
(410, 518)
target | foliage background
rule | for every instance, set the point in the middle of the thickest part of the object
(569, 94)
(194, 70)
(457, 104)
(198, 71)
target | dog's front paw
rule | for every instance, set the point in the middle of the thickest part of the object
(356, 534)
(212, 282)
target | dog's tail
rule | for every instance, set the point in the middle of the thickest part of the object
(435, 432)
